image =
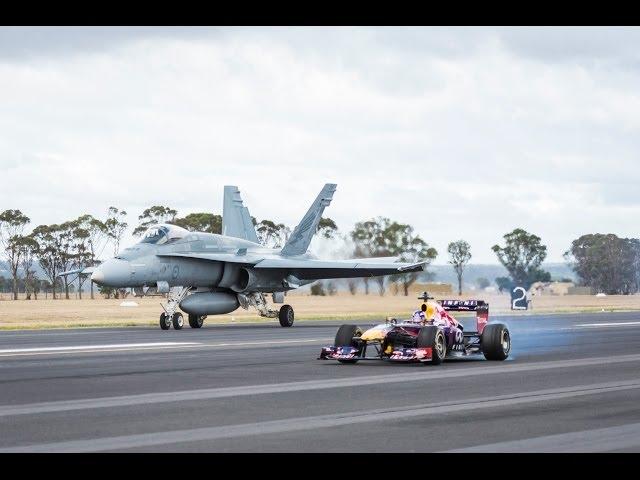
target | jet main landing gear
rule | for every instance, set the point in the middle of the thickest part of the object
(257, 300)
(196, 321)
(286, 316)
(171, 316)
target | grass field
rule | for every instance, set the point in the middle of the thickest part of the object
(25, 314)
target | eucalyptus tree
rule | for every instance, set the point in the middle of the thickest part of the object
(115, 227)
(522, 256)
(12, 225)
(49, 238)
(153, 216)
(459, 256)
(29, 249)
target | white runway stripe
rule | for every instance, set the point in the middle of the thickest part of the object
(94, 347)
(586, 441)
(320, 421)
(14, 352)
(607, 324)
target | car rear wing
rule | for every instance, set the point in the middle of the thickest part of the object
(463, 305)
(479, 306)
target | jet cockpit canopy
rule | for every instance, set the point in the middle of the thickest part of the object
(163, 233)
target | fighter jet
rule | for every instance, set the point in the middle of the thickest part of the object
(209, 274)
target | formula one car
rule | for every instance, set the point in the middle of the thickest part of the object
(430, 336)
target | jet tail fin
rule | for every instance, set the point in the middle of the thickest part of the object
(236, 220)
(303, 233)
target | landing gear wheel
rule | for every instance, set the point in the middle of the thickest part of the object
(495, 341)
(165, 321)
(432, 337)
(196, 321)
(286, 316)
(344, 338)
(178, 321)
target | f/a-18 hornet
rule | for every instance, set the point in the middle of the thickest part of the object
(209, 274)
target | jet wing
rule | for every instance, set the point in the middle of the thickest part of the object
(305, 269)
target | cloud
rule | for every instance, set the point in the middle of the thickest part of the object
(462, 132)
(27, 43)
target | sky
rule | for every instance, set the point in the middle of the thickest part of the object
(463, 133)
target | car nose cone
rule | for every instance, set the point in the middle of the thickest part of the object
(112, 273)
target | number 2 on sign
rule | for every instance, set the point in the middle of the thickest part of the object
(514, 302)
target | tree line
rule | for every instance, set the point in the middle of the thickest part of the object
(604, 262)
(70, 245)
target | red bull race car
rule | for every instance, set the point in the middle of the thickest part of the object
(429, 336)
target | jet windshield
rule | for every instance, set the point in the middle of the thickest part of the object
(160, 234)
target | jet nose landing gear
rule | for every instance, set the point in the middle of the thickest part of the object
(165, 321)
(177, 321)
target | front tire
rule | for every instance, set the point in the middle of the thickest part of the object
(196, 321)
(495, 341)
(286, 316)
(432, 337)
(177, 321)
(165, 321)
(344, 338)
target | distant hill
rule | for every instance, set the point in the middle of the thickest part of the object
(6, 273)
(446, 274)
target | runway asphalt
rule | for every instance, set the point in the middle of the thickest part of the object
(571, 384)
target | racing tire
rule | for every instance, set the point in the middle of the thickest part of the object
(344, 338)
(165, 322)
(196, 321)
(432, 337)
(495, 341)
(177, 321)
(286, 316)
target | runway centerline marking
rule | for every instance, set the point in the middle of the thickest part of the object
(321, 421)
(275, 388)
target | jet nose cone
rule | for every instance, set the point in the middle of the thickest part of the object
(113, 273)
(97, 276)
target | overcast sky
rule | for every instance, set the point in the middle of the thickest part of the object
(461, 132)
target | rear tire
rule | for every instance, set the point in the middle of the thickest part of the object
(177, 321)
(432, 337)
(495, 341)
(344, 338)
(196, 321)
(165, 322)
(286, 316)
